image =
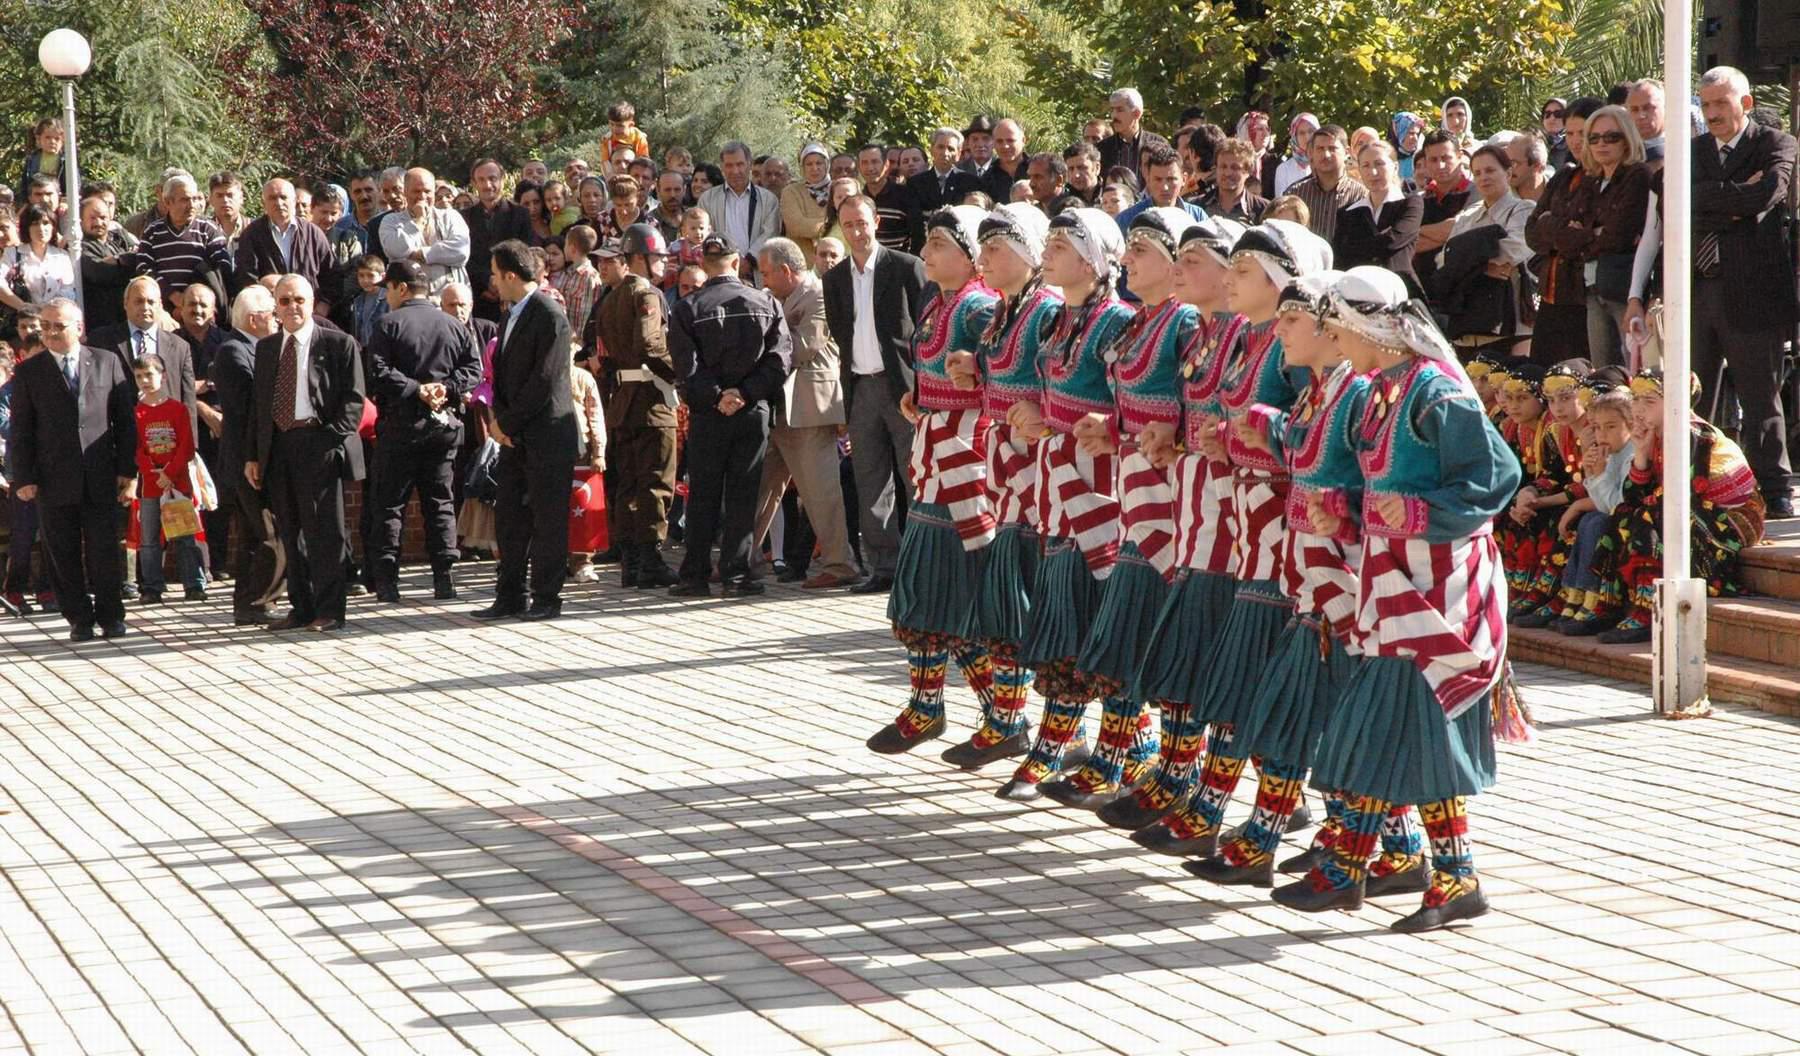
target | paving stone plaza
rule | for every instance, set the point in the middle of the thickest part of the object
(652, 827)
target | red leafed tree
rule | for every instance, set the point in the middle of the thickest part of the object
(359, 83)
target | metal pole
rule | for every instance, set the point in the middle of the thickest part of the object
(1679, 635)
(71, 184)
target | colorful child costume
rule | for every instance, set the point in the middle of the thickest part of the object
(1144, 372)
(1077, 510)
(1415, 725)
(1008, 361)
(1725, 515)
(951, 519)
(1261, 606)
(1550, 459)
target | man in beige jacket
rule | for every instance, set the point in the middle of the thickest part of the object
(803, 438)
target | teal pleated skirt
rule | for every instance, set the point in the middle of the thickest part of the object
(1174, 665)
(1127, 618)
(934, 577)
(1242, 650)
(1064, 599)
(1388, 738)
(1002, 608)
(1299, 691)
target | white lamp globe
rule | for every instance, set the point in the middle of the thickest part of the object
(64, 53)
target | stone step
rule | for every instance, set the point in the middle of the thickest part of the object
(1764, 629)
(1771, 687)
(1773, 569)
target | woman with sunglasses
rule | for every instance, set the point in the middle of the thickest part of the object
(1551, 119)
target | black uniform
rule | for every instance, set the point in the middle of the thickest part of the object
(412, 345)
(726, 335)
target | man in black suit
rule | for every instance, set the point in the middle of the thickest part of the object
(422, 363)
(260, 560)
(945, 182)
(74, 450)
(493, 218)
(309, 402)
(282, 242)
(141, 334)
(534, 421)
(1744, 300)
(872, 298)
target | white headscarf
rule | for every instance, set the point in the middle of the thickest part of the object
(962, 223)
(1092, 234)
(1162, 227)
(1021, 227)
(1286, 250)
(1374, 303)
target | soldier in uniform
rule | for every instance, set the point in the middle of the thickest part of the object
(640, 409)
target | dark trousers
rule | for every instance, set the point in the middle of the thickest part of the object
(305, 491)
(1752, 361)
(880, 444)
(1560, 332)
(405, 463)
(799, 538)
(83, 544)
(532, 481)
(260, 562)
(725, 464)
(640, 460)
(23, 517)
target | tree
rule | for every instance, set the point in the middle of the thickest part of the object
(347, 84)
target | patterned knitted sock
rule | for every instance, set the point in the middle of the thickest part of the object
(1060, 727)
(1452, 859)
(1218, 778)
(1401, 843)
(1183, 739)
(977, 668)
(1118, 735)
(927, 703)
(1278, 791)
(1325, 837)
(1012, 690)
(1143, 748)
(1349, 860)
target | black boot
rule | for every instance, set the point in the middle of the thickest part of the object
(442, 588)
(628, 566)
(651, 571)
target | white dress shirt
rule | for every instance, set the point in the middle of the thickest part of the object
(302, 338)
(443, 235)
(284, 239)
(865, 348)
(737, 217)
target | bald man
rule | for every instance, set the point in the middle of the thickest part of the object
(281, 242)
(436, 239)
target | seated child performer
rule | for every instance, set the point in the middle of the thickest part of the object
(1173, 667)
(1265, 260)
(1005, 368)
(1589, 607)
(1077, 511)
(1524, 532)
(1144, 372)
(951, 520)
(1415, 725)
(1724, 516)
(1486, 371)
(1565, 398)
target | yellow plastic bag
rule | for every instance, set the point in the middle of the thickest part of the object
(178, 516)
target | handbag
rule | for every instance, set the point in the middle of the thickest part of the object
(178, 516)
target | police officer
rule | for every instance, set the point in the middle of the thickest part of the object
(731, 351)
(640, 409)
(421, 363)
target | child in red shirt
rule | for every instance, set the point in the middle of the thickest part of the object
(165, 446)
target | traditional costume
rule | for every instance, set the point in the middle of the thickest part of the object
(1546, 467)
(951, 519)
(1415, 725)
(1143, 370)
(1077, 510)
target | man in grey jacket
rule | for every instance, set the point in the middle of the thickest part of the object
(808, 417)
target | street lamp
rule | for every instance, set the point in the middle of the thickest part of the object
(65, 55)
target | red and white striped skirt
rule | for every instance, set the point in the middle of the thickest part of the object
(947, 467)
(1440, 605)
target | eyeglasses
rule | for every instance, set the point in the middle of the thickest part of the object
(1558, 114)
(1609, 138)
(290, 300)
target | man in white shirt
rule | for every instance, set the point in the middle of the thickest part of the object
(749, 214)
(425, 234)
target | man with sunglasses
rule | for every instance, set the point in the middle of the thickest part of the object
(1553, 115)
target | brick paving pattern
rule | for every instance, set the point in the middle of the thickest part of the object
(651, 827)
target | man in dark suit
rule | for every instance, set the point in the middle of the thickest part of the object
(492, 219)
(309, 403)
(141, 334)
(74, 450)
(422, 363)
(534, 421)
(872, 298)
(1744, 300)
(945, 182)
(281, 242)
(260, 560)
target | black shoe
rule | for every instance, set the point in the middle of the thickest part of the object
(194, 594)
(1778, 507)
(1567, 626)
(1304, 862)
(1072, 795)
(290, 622)
(1128, 814)
(1301, 818)
(890, 741)
(1160, 840)
(743, 588)
(1636, 635)
(628, 570)
(1220, 871)
(790, 574)
(1405, 882)
(874, 585)
(81, 632)
(388, 591)
(500, 610)
(129, 591)
(442, 588)
(249, 618)
(112, 629)
(1590, 628)
(1543, 617)
(969, 757)
(651, 571)
(691, 589)
(1303, 896)
(325, 625)
(1465, 906)
(150, 597)
(543, 610)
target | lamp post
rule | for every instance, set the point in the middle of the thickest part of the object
(65, 55)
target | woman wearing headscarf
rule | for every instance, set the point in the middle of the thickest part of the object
(1297, 165)
(803, 201)
(1406, 132)
(1459, 121)
(1415, 725)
